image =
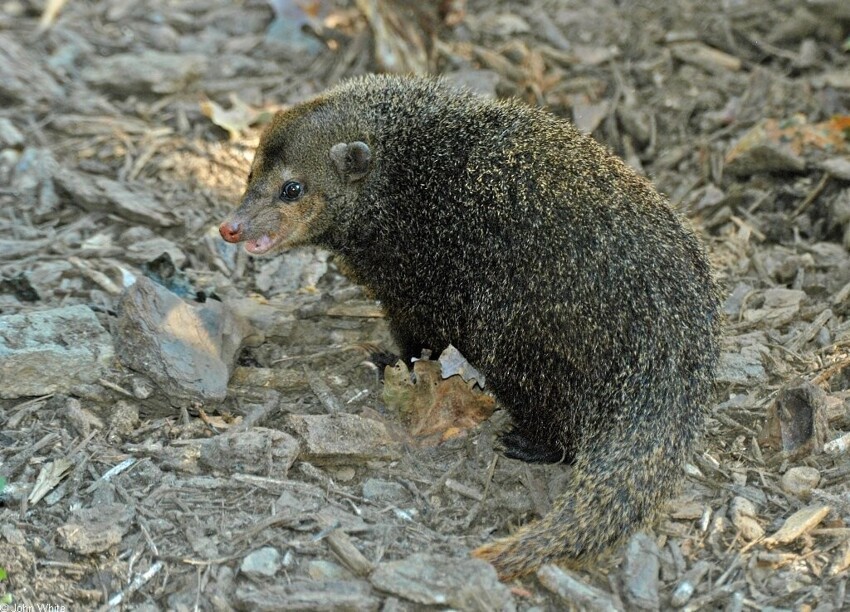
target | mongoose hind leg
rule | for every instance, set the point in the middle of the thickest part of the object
(520, 444)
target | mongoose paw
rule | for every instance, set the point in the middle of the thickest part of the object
(517, 444)
(382, 359)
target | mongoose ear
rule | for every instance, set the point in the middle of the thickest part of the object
(351, 159)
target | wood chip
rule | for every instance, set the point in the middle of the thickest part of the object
(574, 591)
(797, 524)
(348, 554)
(708, 58)
(98, 193)
(365, 309)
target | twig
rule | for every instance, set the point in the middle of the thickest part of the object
(813, 194)
(323, 392)
(138, 582)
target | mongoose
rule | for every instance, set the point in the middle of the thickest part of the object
(550, 264)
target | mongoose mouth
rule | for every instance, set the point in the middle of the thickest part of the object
(263, 244)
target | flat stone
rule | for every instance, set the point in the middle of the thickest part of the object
(262, 563)
(343, 438)
(187, 350)
(259, 450)
(51, 351)
(438, 580)
(766, 157)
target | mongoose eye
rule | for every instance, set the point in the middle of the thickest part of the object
(292, 190)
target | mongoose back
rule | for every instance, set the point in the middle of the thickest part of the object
(551, 265)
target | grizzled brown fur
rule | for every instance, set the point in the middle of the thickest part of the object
(551, 265)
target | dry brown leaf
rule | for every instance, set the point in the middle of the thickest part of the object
(434, 408)
(235, 120)
(796, 135)
(51, 474)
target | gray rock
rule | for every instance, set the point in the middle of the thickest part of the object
(188, 351)
(259, 450)
(51, 351)
(264, 562)
(438, 580)
(343, 438)
(640, 573)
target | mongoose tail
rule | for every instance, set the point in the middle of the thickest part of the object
(618, 483)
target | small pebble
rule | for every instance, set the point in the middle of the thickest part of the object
(264, 562)
(742, 513)
(799, 481)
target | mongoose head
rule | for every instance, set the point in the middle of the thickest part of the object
(303, 170)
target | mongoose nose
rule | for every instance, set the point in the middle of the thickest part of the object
(231, 231)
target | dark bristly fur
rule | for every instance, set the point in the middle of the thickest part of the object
(551, 265)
